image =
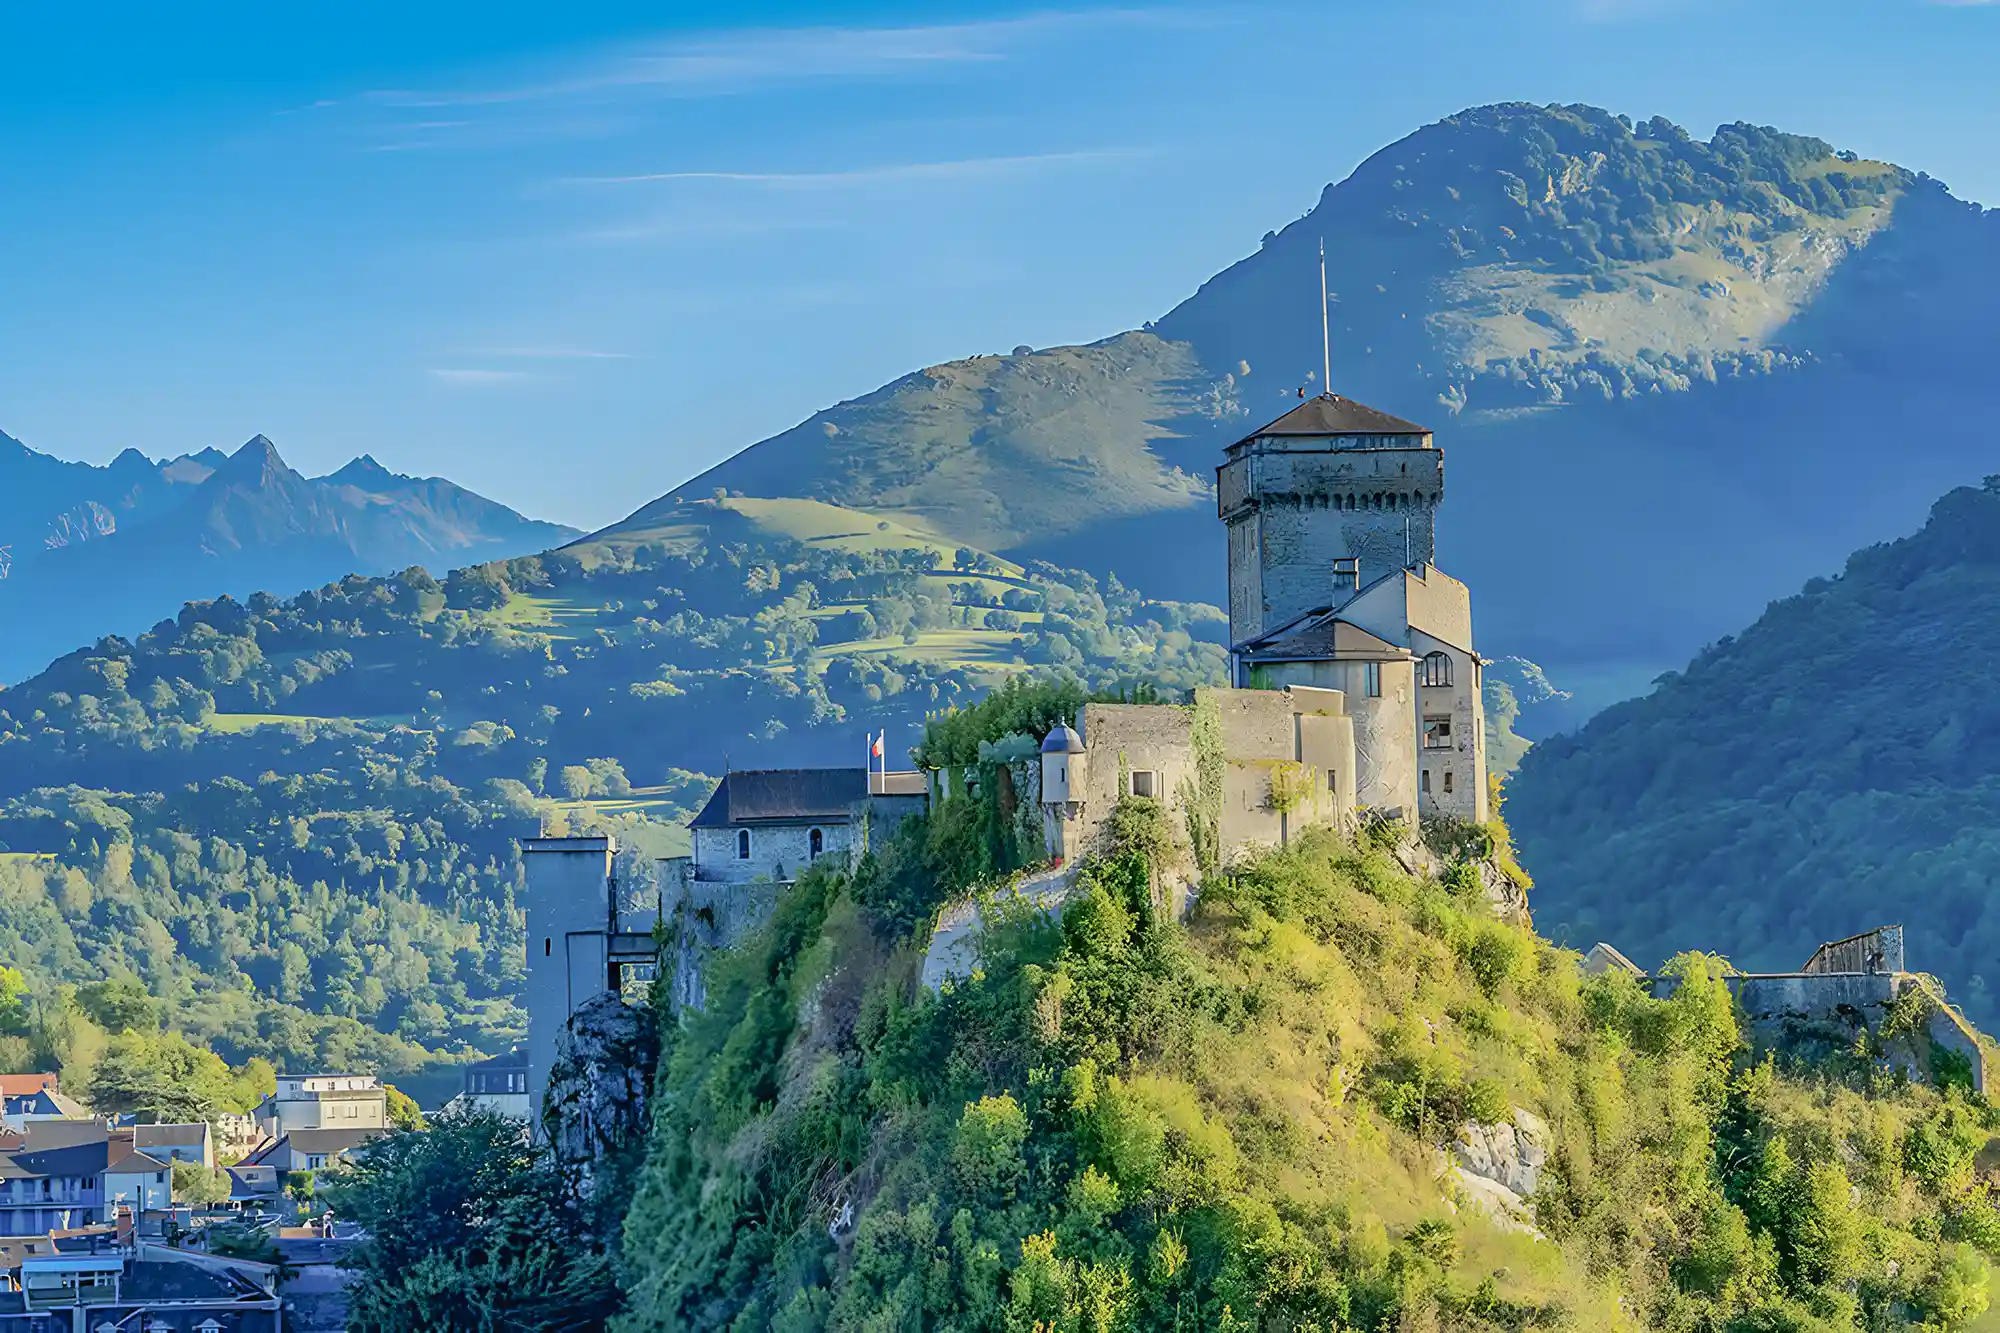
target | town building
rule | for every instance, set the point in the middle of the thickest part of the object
(310, 1149)
(52, 1176)
(18, 1109)
(254, 1188)
(136, 1180)
(323, 1101)
(177, 1143)
(104, 1278)
(498, 1085)
(76, 1173)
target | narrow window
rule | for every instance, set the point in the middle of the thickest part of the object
(1371, 679)
(1427, 782)
(815, 844)
(1437, 733)
(743, 844)
(1437, 670)
(547, 946)
(1447, 781)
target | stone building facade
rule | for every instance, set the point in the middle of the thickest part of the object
(757, 832)
(1356, 686)
(1281, 759)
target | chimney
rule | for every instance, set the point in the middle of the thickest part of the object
(1347, 573)
(125, 1237)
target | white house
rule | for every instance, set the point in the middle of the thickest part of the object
(323, 1101)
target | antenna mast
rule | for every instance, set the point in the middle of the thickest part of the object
(1325, 334)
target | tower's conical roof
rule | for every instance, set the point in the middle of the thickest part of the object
(1330, 414)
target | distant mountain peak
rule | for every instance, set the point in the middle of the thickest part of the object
(257, 460)
(363, 472)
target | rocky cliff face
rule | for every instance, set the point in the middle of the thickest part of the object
(595, 1112)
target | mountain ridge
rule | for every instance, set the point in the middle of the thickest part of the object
(130, 542)
(1787, 784)
(1603, 317)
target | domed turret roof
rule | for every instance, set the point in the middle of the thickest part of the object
(1062, 740)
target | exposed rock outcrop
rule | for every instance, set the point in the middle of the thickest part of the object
(1498, 1167)
(595, 1110)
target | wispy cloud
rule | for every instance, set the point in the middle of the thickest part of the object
(544, 353)
(477, 377)
(732, 62)
(952, 168)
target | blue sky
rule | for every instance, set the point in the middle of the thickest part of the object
(571, 255)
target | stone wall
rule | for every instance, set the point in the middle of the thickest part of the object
(1128, 738)
(1805, 1010)
(1385, 741)
(1451, 780)
(1305, 506)
(776, 852)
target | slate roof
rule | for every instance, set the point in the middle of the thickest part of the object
(252, 1182)
(325, 1141)
(797, 795)
(135, 1162)
(46, 1101)
(514, 1059)
(79, 1159)
(1325, 638)
(179, 1136)
(1330, 414)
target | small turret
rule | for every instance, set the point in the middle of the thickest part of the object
(1063, 766)
(1065, 773)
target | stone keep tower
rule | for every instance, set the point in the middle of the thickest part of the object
(1329, 481)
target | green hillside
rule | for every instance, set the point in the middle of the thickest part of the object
(996, 451)
(1829, 769)
(1245, 1123)
(1681, 350)
(296, 820)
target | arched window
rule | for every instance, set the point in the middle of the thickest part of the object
(1436, 669)
(743, 844)
(815, 844)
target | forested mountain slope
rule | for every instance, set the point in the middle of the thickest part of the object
(297, 819)
(1831, 768)
(1662, 367)
(114, 549)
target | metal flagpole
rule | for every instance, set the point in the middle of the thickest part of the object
(1325, 333)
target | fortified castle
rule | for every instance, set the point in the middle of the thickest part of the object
(1355, 695)
(1355, 692)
